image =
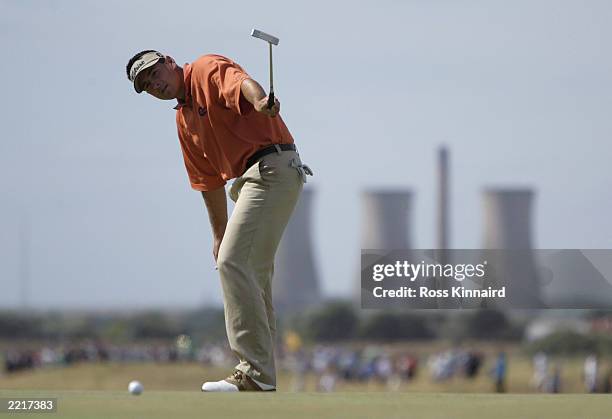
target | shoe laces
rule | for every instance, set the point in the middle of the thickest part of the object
(237, 375)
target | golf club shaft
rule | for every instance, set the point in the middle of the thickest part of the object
(271, 95)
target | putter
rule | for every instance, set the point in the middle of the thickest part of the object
(270, 40)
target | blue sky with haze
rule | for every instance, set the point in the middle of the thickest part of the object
(520, 91)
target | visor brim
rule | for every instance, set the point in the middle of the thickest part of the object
(140, 70)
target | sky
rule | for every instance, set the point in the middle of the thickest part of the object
(519, 91)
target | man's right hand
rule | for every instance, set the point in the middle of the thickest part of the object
(255, 94)
(216, 204)
(262, 107)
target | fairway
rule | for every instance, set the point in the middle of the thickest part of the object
(172, 391)
(184, 404)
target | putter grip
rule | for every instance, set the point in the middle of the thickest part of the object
(270, 100)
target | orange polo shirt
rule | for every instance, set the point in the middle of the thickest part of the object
(217, 127)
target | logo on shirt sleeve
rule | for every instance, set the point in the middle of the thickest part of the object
(202, 111)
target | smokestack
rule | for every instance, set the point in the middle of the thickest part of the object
(442, 241)
(296, 281)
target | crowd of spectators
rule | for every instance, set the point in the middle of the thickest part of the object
(329, 364)
(64, 355)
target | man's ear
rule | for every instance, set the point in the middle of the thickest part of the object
(170, 61)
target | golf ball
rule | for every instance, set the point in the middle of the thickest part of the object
(135, 388)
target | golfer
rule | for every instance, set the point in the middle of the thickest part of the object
(226, 131)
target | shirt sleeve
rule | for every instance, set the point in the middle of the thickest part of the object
(228, 77)
(202, 176)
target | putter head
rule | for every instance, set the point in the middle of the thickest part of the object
(266, 37)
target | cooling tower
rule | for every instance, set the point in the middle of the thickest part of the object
(507, 219)
(385, 239)
(385, 219)
(296, 283)
(507, 228)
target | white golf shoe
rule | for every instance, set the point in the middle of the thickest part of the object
(238, 381)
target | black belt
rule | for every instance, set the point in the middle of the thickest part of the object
(268, 150)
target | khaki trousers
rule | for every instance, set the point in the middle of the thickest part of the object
(265, 197)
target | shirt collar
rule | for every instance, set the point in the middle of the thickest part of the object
(187, 81)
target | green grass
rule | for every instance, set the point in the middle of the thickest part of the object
(193, 404)
(172, 391)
